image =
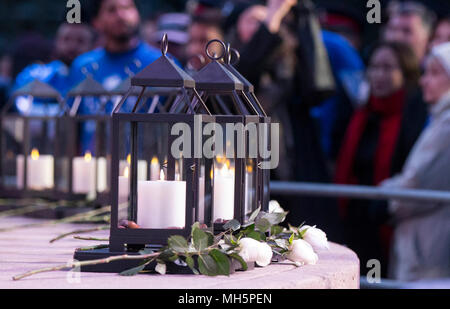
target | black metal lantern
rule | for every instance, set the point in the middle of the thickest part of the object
(30, 145)
(264, 133)
(164, 188)
(88, 160)
(223, 90)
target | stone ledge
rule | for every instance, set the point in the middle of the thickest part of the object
(28, 249)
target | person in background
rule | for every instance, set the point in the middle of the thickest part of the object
(378, 139)
(410, 23)
(176, 26)
(441, 33)
(344, 20)
(71, 41)
(204, 27)
(422, 234)
(5, 76)
(123, 52)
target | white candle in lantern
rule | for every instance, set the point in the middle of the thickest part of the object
(40, 171)
(83, 174)
(102, 174)
(161, 204)
(141, 168)
(224, 194)
(154, 169)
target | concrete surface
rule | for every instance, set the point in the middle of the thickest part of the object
(28, 249)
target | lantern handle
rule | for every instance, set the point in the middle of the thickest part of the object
(216, 57)
(164, 44)
(229, 55)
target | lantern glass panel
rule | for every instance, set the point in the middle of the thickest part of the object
(250, 189)
(40, 154)
(13, 143)
(160, 201)
(205, 192)
(62, 161)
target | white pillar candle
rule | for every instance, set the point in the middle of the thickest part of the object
(40, 171)
(155, 169)
(83, 174)
(161, 204)
(142, 168)
(102, 174)
(224, 194)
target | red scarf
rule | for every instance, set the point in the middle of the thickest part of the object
(390, 110)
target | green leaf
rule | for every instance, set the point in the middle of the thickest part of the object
(239, 258)
(135, 270)
(200, 239)
(276, 229)
(195, 226)
(254, 215)
(291, 239)
(223, 263)
(230, 239)
(168, 255)
(281, 243)
(255, 235)
(191, 264)
(275, 218)
(263, 225)
(233, 224)
(178, 243)
(249, 228)
(207, 265)
(303, 232)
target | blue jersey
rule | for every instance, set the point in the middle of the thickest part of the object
(55, 73)
(110, 69)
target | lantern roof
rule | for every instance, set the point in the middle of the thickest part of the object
(215, 76)
(88, 87)
(163, 72)
(37, 88)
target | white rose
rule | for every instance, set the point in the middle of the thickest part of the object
(315, 237)
(274, 207)
(255, 251)
(161, 268)
(301, 252)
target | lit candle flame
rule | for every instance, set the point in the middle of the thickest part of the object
(228, 164)
(220, 159)
(250, 169)
(126, 172)
(129, 159)
(88, 156)
(154, 160)
(161, 175)
(34, 154)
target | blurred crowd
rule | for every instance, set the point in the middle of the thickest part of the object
(376, 114)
